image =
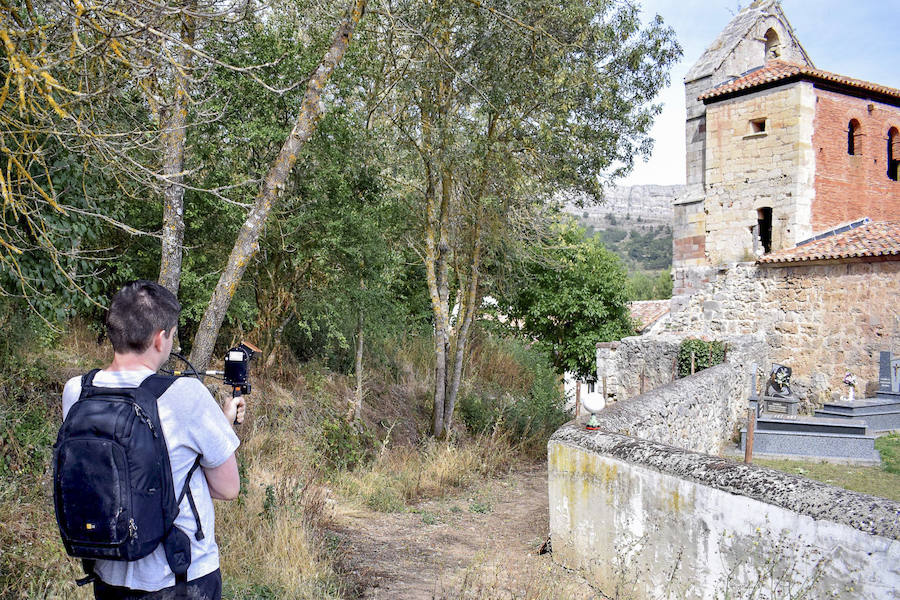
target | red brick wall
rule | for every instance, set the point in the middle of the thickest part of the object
(850, 187)
(689, 247)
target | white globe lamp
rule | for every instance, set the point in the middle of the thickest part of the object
(593, 404)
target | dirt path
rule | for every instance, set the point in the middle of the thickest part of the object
(480, 543)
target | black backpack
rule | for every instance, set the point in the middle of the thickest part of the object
(112, 481)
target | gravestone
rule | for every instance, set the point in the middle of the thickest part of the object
(888, 375)
(778, 393)
(895, 375)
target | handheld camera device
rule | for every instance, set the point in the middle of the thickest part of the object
(236, 373)
(237, 366)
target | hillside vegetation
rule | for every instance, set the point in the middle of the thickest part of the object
(299, 452)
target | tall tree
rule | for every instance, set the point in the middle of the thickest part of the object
(108, 82)
(569, 294)
(246, 245)
(495, 108)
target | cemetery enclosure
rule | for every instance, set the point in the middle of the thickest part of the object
(678, 524)
(633, 511)
(821, 320)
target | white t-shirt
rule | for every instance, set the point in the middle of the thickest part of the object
(193, 424)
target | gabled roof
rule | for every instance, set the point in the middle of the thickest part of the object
(871, 240)
(776, 71)
(736, 30)
(647, 312)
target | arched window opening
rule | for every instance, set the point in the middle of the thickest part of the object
(764, 228)
(893, 153)
(854, 138)
(773, 45)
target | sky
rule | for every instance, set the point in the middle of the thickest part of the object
(857, 39)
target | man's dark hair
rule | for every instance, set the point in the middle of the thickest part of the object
(137, 312)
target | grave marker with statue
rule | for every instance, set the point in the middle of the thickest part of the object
(843, 430)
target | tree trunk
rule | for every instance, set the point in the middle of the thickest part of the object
(432, 276)
(173, 122)
(468, 310)
(273, 185)
(359, 363)
(442, 334)
(469, 300)
(359, 373)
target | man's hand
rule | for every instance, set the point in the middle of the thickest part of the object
(234, 409)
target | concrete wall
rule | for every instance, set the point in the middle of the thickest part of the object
(647, 521)
(821, 320)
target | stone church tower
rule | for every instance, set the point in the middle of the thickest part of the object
(756, 35)
(759, 33)
(778, 151)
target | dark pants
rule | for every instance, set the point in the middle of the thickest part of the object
(208, 587)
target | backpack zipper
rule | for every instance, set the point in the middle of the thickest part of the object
(144, 417)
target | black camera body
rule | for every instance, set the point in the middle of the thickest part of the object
(237, 366)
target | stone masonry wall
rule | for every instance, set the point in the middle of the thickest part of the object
(689, 228)
(820, 320)
(852, 186)
(698, 413)
(747, 170)
(642, 365)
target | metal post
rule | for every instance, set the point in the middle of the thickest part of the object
(577, 399)
(751, 427)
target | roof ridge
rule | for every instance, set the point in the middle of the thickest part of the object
(778, 69)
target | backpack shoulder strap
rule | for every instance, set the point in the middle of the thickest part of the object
(186, 491)
(157, 384)
(87, 381)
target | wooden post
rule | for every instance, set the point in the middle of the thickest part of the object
(693, 363)
(604, 390)
(577, 399)
(751, 427)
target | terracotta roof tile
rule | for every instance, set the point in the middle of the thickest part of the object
(648, 312)
(872, 239)
(777, 70)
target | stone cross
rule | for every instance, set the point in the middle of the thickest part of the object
(895, 375)
(887, 372)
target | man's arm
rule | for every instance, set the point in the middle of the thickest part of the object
(224, 481)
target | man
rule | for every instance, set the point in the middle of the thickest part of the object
(141, 325)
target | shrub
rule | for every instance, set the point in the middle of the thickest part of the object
(515, 391)
(705, 354)
(345, 445)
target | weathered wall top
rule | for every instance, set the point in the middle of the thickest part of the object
(868, 514)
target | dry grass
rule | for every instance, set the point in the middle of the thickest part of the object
(404, 474)
(487, 578)
(270, 538)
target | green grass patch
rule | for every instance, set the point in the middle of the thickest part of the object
(479, 507)
(883, 481)
(889, 447)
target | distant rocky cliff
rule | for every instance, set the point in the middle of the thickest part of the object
(637, 205)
